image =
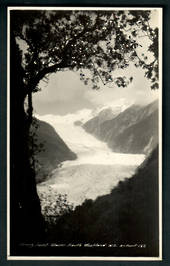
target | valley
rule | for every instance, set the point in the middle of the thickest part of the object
(95, 171)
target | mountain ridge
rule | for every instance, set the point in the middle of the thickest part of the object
(111, 131)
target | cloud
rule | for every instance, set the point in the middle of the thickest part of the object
(138, 91)
(65, 93)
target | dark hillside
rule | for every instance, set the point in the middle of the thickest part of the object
(129, 215)
(53, 151)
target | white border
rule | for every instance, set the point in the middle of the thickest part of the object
(160, 140)
(83, 8)
(160, 127)
(8, 135)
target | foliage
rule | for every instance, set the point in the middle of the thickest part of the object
(53, 205)
(98, 41)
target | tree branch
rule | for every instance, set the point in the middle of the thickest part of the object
(146, 65)
(63, 64)
(32, 84)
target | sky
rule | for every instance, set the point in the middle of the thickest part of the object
(65, 93)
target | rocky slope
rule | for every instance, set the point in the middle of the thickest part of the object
(133, 131)
(94, 125)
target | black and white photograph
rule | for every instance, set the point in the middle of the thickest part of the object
(84, 133)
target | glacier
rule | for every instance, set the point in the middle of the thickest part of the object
(96, 170)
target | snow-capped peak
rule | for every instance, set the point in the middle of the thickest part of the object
(121, 104)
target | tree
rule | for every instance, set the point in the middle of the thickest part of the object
(97, 42)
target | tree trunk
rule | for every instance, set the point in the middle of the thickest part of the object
(26, 222)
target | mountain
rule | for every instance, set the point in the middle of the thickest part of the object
(94, 125)
(51, 149)
(104, 113)
(128, 215)
(134, 130)
(140, 137)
